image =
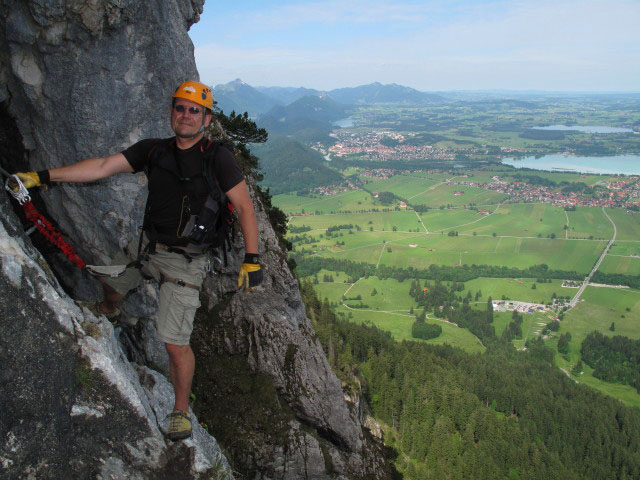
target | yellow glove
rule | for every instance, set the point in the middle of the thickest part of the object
(30, 179)
(250, 275)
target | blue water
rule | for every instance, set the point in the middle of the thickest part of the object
(626, 164)
(586, 128)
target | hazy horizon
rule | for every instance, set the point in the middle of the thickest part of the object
(474, 45)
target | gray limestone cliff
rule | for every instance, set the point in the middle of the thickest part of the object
(80, 400)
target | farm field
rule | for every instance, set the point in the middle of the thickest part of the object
(521, 219)
(448, 219)
(585, 222)
(403, 186)
(406, 221)
(432, 176)
(512, 235)
(399, 325)
(628, 224)
(517, 289)
(625, 248)
(353, 200)
(388, 309)
(598, 309)
(444, 194)
(621, 264)
(422, 250)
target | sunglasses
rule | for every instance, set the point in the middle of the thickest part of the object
(183, 108)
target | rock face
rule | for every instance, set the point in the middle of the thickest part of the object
(72, 405)
(87, 79)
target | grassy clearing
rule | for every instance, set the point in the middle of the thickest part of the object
(524, 220)
(450, 219)
(403, 186)
(400, 328)
(628, 224)
(532, 324)
(422, 250)
(517, 289)
(402, 220)
(444, 194)
(621, 264)
(585, 222)
(625, 248)
(352, 200)
(600, 308)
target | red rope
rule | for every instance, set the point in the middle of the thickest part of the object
(45, 227)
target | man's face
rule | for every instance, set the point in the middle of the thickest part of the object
(187, 122)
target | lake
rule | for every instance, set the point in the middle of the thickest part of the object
(626, 164)
(586, 128)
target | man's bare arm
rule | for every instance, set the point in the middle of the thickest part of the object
(91, 169)
(239, 196)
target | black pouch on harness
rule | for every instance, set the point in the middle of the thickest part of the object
(201, 230)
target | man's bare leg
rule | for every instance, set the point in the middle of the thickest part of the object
(111, 298)
(181, 367)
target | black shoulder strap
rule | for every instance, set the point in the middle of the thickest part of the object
(211, 149)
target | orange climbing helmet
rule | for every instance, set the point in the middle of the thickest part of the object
(196, 92)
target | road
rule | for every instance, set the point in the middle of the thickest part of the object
(576, 298)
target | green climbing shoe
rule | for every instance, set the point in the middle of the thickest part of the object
(179, 425)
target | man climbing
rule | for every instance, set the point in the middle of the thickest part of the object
(179, 209)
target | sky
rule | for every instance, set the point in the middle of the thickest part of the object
(430, 45)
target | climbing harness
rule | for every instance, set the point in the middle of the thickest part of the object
(44, 226)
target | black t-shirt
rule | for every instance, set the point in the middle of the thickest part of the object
(169, 203)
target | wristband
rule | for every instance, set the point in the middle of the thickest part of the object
(44, 176)
(252, 258)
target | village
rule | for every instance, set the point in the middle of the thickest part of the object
(622, 193)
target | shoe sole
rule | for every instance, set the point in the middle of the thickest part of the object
(178, 436)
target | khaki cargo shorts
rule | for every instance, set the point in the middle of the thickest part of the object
(177, 304)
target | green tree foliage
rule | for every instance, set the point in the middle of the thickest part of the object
(386, 198)
(461, 416)
(425, 331)
(614, 359)
(310, 265)
(563, 342)
(291, 166)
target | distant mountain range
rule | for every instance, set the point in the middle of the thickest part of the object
(242, 97)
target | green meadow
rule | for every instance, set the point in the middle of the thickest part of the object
(511, 235)
(457, 196)
(422, 250)
(588, 221)
(532, 325)
(402, 220)
(447, 219)
(621, 264)
(399, 325)
(352, 200)
(517, 289)
(386, 303)
(597, 310)
(403, 186)
(521, 219)
(627, 224)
